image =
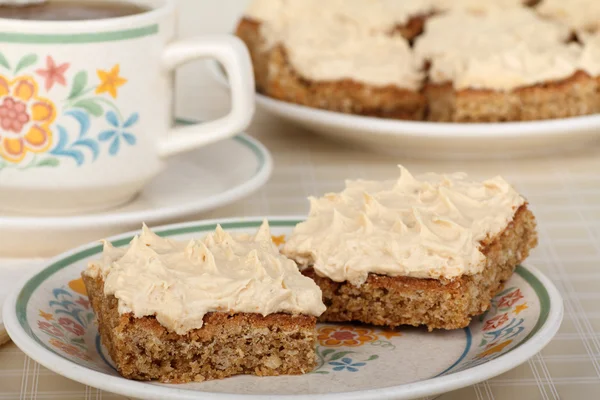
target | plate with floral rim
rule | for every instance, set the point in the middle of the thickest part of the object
(49, 317)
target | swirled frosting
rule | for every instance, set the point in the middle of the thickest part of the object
(502, 50)
(179, 282)
(430, 227)
(577, 14)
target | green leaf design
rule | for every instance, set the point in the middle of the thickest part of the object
(339, 355)
(91, 106)
(79, 83)
(502, 293)
(26, 61)
(327, 352)
(49, 162)
(320, 372)
(78, 340)
(90, 317)
(4, 61)
(373, 357)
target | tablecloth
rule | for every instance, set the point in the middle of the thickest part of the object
(564, 193)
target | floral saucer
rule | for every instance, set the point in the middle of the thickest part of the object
(49, 317)
(194, 182)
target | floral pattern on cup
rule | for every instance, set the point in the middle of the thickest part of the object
(34, 130)
(25, 119)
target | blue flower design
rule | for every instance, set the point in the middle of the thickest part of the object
(115, 135)
(346, 363)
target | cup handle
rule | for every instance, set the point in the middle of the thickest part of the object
(233, 55)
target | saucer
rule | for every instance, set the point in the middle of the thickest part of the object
(193, 182)
(49, 317)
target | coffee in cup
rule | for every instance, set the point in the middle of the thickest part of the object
(71, 10)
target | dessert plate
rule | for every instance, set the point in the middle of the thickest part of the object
(49, 317)
(11, 271)
(194, 182)
(434, 139)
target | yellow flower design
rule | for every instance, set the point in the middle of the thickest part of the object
(278, 240)
(494, 349)
(334, 336)
(110, 81)
(46, 316)
(520, 307)
(25, 119)
(390, 334)
(78, 286)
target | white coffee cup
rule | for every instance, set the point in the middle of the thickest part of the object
(86, 107)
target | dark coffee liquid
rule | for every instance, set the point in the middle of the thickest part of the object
(71, 10)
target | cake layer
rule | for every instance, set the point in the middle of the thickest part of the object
(504, 61)
(226, 345)
(438, 304)
(277, 78)
(574, 96)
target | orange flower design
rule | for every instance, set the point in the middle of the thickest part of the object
(53, 73)
(25, 119)
(69, 349)
(510, 299)
(495, 322)
(50, 329)
(71, 326)
(334, 336)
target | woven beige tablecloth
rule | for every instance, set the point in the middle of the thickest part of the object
(564, 193)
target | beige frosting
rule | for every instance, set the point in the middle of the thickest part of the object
(590, 57)
(430, 227)
(179, 282)
(501, 50)
(343, 51)
(476, 6)
(344, 39)
(380, 15)
(578, 14)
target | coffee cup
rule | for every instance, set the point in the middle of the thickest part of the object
(86, 107)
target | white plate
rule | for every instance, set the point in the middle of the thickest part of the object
(438, 140)
(11, 271)
(49, 318)
(194, 182)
